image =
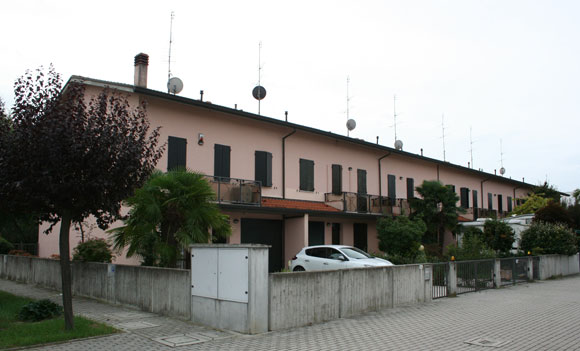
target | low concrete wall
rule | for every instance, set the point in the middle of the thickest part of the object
(555, 265)
(304, 298)
(159, 290)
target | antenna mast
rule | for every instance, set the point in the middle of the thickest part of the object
(471, 146)
(347, 97)
(395, 114)
(170, 42)
(259, 73)
(443, 133)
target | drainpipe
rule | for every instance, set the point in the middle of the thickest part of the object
(381, 182)
(284, 163)
(483, 181)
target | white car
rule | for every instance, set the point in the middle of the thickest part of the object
(323, 257)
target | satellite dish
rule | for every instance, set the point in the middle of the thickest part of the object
(174, 85)
(351, 124)
(502, 171)
(259, 92)
(398, 145)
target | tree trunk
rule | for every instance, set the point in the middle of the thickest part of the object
(65, 271)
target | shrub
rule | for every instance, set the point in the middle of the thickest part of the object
(472, 248)
(93, 250)
(39, 310)
(550, 238)
(5, 246)
(498, 235)
(400, 236)
(553, 213)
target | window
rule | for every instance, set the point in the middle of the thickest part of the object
(464, 197)
(475, 199)
(176, 152)
(489, 201)
(451, 186)
(221, 165)
(391, 189)
(263, 168)
(410, 188)
(337, 179)
(306, 175)
(335, 233)
(361, 181)
(500, 203)
(509, 203)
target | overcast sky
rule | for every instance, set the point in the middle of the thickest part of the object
(507, 69)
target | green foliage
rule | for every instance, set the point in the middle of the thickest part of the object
(553, 212)
(39, 310)
(472, 248)
(550, 238)
(170, 212)
(437, 207)
(574, 213)
(5, 246)
(401, 236)
(547, 191)
(531, 204)
(498, 235)
(93, 250)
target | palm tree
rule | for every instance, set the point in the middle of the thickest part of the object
(170, 212)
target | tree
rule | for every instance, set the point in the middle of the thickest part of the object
(553, 212)
(576, 196)
(68, 156)
(401, 236)
(472, 247)
(547, 191)
(549, 238)
(531, 204)
(498, 235)
(437, 207)
(170, 212)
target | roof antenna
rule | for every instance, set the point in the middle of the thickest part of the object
(259, 91)
(350, 123)
(443, 133)
(471, 147)
(398, 143)
(174, 84)
(502, 169)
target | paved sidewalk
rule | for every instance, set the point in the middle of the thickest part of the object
(534, 316)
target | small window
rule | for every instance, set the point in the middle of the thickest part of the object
(451, 186)
(263, 168)
(391, 189)
(221, 161)
(306, 175)
(176, 153)
(489, 201)
(361, 181)
(509, 203)
(474, 199)
(410, 188)
(337, 179)
(500, 203)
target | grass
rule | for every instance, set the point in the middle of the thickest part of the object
(14, 333)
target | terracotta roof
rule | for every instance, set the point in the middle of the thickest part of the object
(298, 204)
(463, 219)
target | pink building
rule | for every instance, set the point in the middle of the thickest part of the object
(288, 185)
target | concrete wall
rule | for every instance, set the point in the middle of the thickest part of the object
(555, 265)
(298, 299)
(158, 290)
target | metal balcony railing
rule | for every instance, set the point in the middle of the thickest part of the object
(236, 191)
(365, 203)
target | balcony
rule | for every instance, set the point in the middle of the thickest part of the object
(364, 203)
(236, 191)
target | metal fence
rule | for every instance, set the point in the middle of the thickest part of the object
(440, 280)
(474, 275)
(513, 270)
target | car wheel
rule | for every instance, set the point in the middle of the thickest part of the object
(299, 269)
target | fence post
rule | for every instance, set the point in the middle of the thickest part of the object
(452, 279)
(497, 273)
(530, 268)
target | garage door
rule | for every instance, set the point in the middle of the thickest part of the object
(267, 232)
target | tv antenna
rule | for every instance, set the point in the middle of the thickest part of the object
(398, 143)
(443, 133)
(174, 84)
(502, 169)
(350, 123)
(259, 92)
(471, 147)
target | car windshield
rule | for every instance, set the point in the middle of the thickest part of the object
(353, 252)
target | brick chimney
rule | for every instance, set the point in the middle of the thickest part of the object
(141, 63)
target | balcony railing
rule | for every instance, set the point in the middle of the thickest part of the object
(236, 191)
(365, 203)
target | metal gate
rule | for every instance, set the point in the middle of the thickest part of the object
(474, 275)
(440, 280)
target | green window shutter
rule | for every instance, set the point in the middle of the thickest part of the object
(509, 203)
(464, 197)
(391, 189)
(222, 161)
(263, 168)
(474, 199)
(410, 188)
(337, 179)
(176, 153)
(361, 181)
(306, 175)
(489, 201)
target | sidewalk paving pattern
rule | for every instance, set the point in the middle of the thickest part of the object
(543, 315)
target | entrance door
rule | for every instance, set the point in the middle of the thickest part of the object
(360, 236)
(315, 233)
(335, 233)
(267, 232)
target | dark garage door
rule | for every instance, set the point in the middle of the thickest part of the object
(315, 233)
(267, 232)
